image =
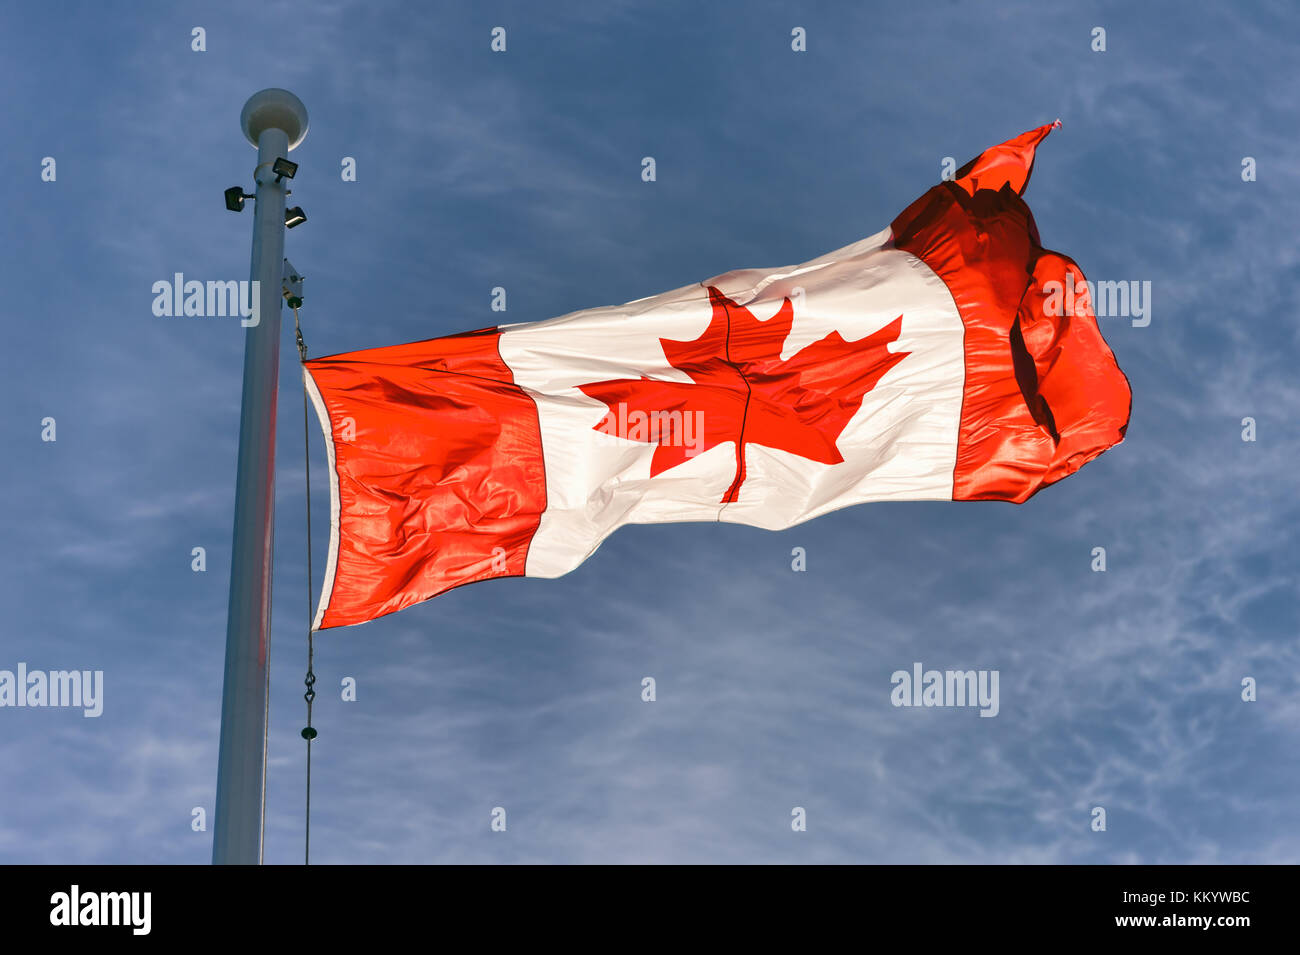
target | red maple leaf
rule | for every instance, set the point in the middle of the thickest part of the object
(743, 392)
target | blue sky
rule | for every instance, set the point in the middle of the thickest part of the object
(1119, 689)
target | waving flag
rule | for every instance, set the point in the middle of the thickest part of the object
(935, 360)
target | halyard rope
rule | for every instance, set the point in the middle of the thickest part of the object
(308, 733)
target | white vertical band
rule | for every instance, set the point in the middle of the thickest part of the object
(332, 560)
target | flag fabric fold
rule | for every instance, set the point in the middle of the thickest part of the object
(935, 360)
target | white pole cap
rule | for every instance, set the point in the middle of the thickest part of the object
(274, 109)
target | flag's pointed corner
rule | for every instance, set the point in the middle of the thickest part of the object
(1007, 164)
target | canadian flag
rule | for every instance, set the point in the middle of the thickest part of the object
(935, 360)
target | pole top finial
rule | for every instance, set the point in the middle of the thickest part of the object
(274, 109)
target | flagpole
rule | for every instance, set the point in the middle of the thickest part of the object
(274, 121)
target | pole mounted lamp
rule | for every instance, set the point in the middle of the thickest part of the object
(274, 121)
(235, 197)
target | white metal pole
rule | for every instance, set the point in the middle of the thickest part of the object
(274, 121)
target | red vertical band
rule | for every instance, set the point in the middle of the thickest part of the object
(1043, 394)
(440, 479)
